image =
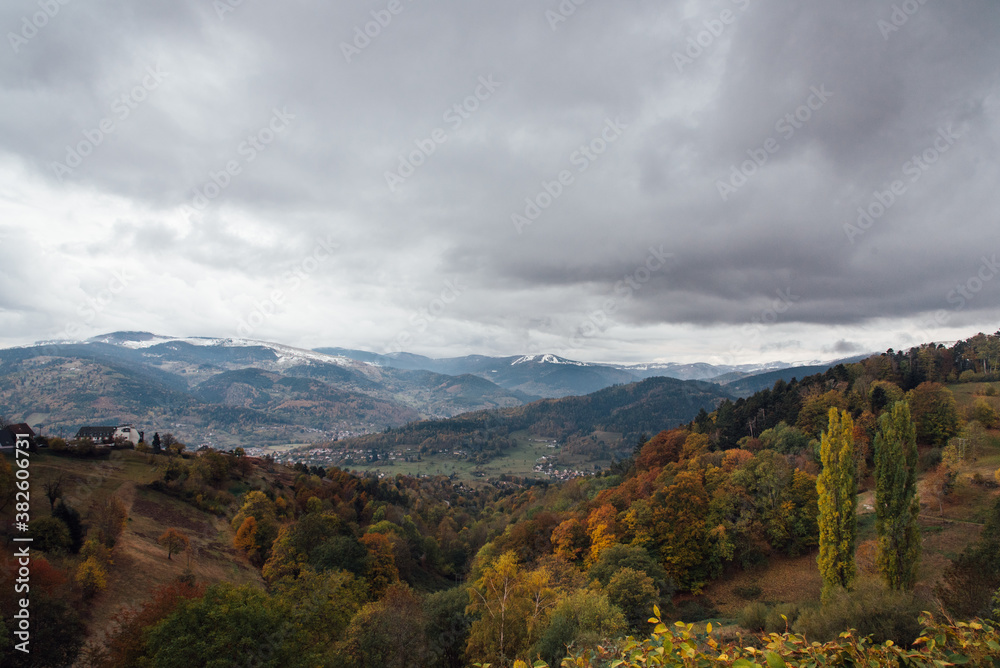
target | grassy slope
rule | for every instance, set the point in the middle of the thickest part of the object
(140, 564)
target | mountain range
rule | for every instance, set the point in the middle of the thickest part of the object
(227, 392)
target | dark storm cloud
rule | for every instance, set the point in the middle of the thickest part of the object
(238, 137)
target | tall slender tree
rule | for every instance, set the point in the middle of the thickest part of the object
(837, 486)
(896, 502)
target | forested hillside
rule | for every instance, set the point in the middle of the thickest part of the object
(704, 522)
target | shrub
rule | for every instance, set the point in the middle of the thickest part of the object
(50, 535)
(869, 608)
(753, 617)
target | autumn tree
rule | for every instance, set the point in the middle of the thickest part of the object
(681, 535)
(837, 487)
(569, 539)
(381, 570)
(512, 606)
(125, 641)
(896, 502)
(601, 529)
(173, 541)
(109, 518)
(91, 576)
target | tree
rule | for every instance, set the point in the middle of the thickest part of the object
(569, 539)
(940, 483)
(634, 593)
(125, 641)
(381, 569)
(53, 488)
(91, 576)
(173, 541)
(896, 502)
(499, 599)
(228, 626)
(50, 534)
(837, 487)
(601, 529)
(583, 619)
(71, 518)
(934, 412)
(110, 518)
(388, 632)
(157, 445)
(983, 412)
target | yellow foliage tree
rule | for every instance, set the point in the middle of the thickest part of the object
(837, 487)
(91, 576)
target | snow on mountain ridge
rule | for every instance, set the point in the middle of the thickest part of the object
(547, 359)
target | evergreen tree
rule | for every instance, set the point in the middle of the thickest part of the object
(157, 447)
(896, 503)
(837, 486)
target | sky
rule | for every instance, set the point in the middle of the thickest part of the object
(727, 182)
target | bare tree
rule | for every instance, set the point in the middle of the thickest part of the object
(53, 487)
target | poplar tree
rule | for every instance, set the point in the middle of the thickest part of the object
(896, 502)
(837, 486)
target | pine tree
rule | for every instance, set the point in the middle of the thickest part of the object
(837, 486)
(896, 502)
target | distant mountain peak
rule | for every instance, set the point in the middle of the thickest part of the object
(546, 358)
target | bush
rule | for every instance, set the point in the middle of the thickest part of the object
(967, 376)
(869, 608)
(50, 534)
(775, 623)
(753, 617)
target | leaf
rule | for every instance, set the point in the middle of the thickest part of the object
(774, 661)
(708, 627)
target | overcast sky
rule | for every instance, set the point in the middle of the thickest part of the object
(609, 181)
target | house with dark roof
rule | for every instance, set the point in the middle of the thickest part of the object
(9, 434)
(107, 435)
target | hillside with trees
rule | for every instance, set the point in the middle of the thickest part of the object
(765, 527)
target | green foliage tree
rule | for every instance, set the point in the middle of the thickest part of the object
(50, 534)
(388, 632)
(934, 412)
(837, 487)
(785, 439)
(228, 626)
(896, 502)
(634, 593)
(321, 606)
(447, 629)
(581, 620)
